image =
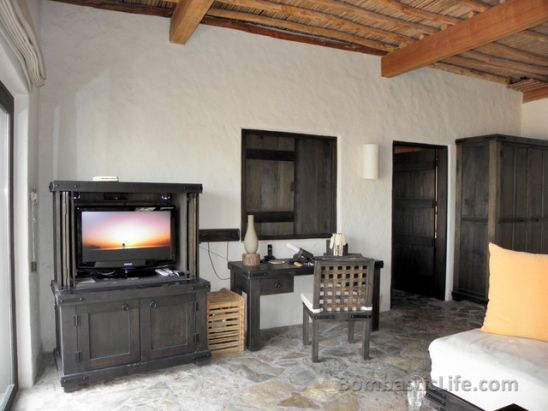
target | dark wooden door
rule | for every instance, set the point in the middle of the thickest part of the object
(419, 220)
(168, 326)
(108, 334)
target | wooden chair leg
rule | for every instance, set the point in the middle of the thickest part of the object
(366, 338)
(350, 330)
(315, 338)
(306, 327)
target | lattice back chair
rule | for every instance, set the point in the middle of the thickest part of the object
(343, 289)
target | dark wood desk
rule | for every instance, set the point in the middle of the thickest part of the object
(268, 279)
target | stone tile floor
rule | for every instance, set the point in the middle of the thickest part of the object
(282, 376)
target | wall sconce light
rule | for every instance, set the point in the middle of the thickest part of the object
(370, 159)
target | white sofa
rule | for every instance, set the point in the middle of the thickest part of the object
(500, 370)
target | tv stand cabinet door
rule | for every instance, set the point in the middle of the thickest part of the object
(108, 334)
(168, 326)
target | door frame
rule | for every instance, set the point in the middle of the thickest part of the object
(440, 247)
(7, 101)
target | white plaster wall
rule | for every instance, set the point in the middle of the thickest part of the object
(29, 347)
(121, 100)
(534, 119)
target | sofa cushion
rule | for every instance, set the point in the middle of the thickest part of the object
(518, 294)
(492, 371)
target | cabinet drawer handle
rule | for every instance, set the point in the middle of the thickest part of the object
(277, 284)
(125, 307)
(153, 304)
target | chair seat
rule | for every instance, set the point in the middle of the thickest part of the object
(306, 298)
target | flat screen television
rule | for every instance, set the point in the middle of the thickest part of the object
(126, 237)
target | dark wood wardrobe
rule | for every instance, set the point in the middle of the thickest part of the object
(502, 197)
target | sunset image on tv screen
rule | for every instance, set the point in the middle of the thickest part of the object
(110, 235)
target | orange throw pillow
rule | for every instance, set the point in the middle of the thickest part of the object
(518, 294)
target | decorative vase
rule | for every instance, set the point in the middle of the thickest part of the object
(251, 242)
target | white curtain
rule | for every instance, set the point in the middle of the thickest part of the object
(16, 27)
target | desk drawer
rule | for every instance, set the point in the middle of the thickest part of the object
(278, 285)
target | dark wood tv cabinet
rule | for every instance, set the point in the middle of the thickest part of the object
(111, 327)
(109, 333)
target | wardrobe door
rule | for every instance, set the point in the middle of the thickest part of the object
(544, 209)
(521, 170)
(472, 260)
(535, 183)
(521, 197)
(505, 227)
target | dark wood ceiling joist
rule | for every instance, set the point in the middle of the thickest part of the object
(534, 35)
(476, 5)
(270, 31)
(469, 72)
(116, 5)
(322, 18)
(527, 85)
(373, 46)
(439, 19)
(474, 64)
(519, 67)
(512, 53)
(368, 15)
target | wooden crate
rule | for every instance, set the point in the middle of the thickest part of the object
(225, 321)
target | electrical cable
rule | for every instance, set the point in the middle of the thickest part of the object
(209, 252)
(100, 274)
(216, 254)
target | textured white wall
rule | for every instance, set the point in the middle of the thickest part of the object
(121, 100)
(534, 119)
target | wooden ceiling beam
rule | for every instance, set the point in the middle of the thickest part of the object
(537, 94)
(523, 89)
(301, 28)
(123, 7)
(319, 18)
(535, 36)
(418, 12)
(505, 63)
(343, 7)
(185, 19)
(496, 23)
(464, 71)
(488, 67)
(285, 35)
(516, 54)
(527, 85)
(476, 5)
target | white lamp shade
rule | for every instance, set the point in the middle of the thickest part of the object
(370, 159)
